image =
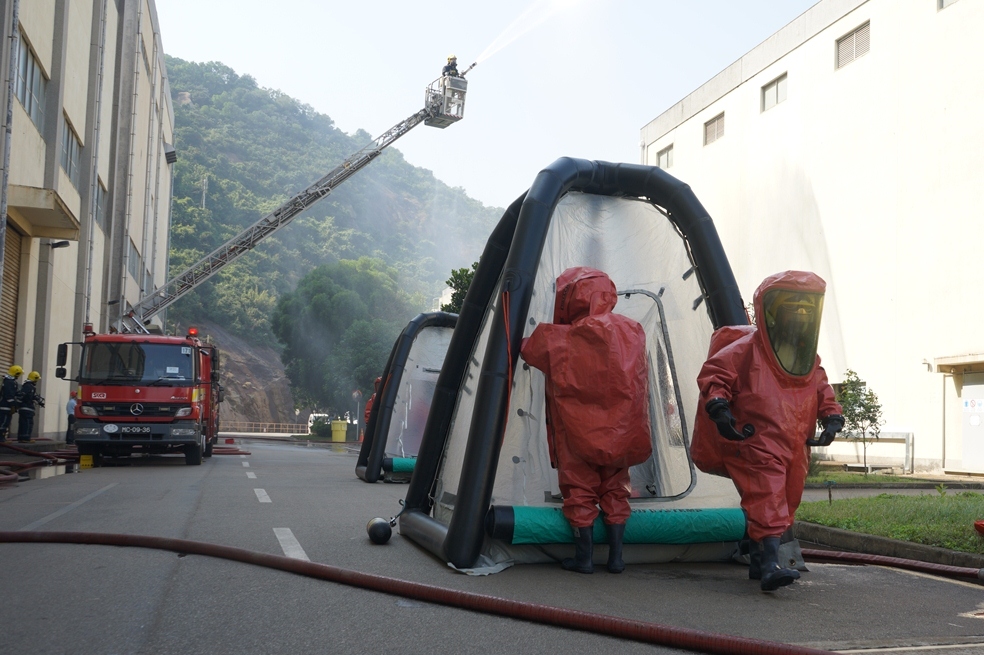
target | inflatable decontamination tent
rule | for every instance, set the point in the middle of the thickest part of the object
(398, 415)
(483, 493)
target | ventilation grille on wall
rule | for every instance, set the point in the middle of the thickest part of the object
(853, 45)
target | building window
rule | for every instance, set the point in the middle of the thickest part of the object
(664, 158)
(31, 84)
(101, 204)
(853, 45)
(71, 153)
(133, 264)
(774, 92)
(714, 129)
(943, 4)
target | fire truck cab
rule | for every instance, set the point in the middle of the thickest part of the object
(145, 393)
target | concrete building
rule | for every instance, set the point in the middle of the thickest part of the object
(87, 184)
(849, 144)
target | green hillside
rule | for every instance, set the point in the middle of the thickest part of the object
(256, 148)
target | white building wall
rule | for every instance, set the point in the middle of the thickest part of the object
(869, 176)
(60, 288)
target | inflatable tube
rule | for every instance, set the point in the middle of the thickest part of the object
(399, 464)
(547, 525)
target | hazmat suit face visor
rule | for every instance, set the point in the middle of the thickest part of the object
(792, 321)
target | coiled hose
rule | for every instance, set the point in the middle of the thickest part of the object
(612, 626)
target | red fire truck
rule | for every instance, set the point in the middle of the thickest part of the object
(145, 393)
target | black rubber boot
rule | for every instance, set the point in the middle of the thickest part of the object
(615, 534)
(583, 552)
(773, 575)
(754, 561)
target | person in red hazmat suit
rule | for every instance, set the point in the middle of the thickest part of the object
(762, 391)
(372, 399)
(597, 407)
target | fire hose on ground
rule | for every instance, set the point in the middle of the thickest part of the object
(47, 459)
(641, 631)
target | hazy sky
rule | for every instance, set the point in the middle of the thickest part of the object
(555, 78)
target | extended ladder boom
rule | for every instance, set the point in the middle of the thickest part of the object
(281, 216)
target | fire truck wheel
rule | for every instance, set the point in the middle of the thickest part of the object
(193, 454)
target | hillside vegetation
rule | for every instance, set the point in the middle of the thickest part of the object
(242, 151)
(256, 148)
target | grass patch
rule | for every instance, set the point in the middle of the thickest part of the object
(945, 521)
(846, 477)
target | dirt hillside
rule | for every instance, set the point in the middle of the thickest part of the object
(253, 379)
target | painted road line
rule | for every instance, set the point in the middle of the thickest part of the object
(261, 495)
(250, 475)
(65, 510)
(246, 465)
(289, 544)
(243, 456)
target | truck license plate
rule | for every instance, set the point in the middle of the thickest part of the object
(135, 429)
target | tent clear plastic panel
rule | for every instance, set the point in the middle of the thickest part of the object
(639, 248)
(413, 400)
(446, 486)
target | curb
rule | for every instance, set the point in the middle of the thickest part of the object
(872, 545)
(897, 485)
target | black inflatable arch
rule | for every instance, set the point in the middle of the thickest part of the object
(509, 263)
(369, 466)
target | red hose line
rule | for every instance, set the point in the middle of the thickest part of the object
(6, 478)
(612, 626)
(897, 562)
(25, 451)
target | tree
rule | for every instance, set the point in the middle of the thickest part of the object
(459, 282)
(338, 328)
(862, 412)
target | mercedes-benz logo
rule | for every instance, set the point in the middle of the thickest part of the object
(136, 409)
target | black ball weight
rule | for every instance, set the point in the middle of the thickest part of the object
(379, 531)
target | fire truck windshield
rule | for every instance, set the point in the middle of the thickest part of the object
(137, 363)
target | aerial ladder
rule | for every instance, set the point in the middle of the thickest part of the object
(444, 105)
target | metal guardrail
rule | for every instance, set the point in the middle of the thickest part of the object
(257, 428)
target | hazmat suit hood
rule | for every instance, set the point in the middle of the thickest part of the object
(788, 308)
(581, 292)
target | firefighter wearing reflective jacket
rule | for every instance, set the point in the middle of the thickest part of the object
(762, 391)
(27, 400)
(597, 410)
(9, 389)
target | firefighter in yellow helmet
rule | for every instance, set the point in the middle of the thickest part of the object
(451, 69)
(9, 389)
(28, 399)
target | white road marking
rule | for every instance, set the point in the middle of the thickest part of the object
(908, 649)
(243, 456)
(250, 475)
(261, 495)
(65, 510)
(289, 544)
(246, 465)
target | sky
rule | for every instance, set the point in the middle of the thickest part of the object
(555, 78)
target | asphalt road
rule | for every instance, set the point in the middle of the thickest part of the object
(306, 502)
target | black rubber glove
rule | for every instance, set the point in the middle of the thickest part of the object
(832, 424)
(720, 412)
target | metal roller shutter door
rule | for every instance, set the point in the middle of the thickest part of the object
(8, 301)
